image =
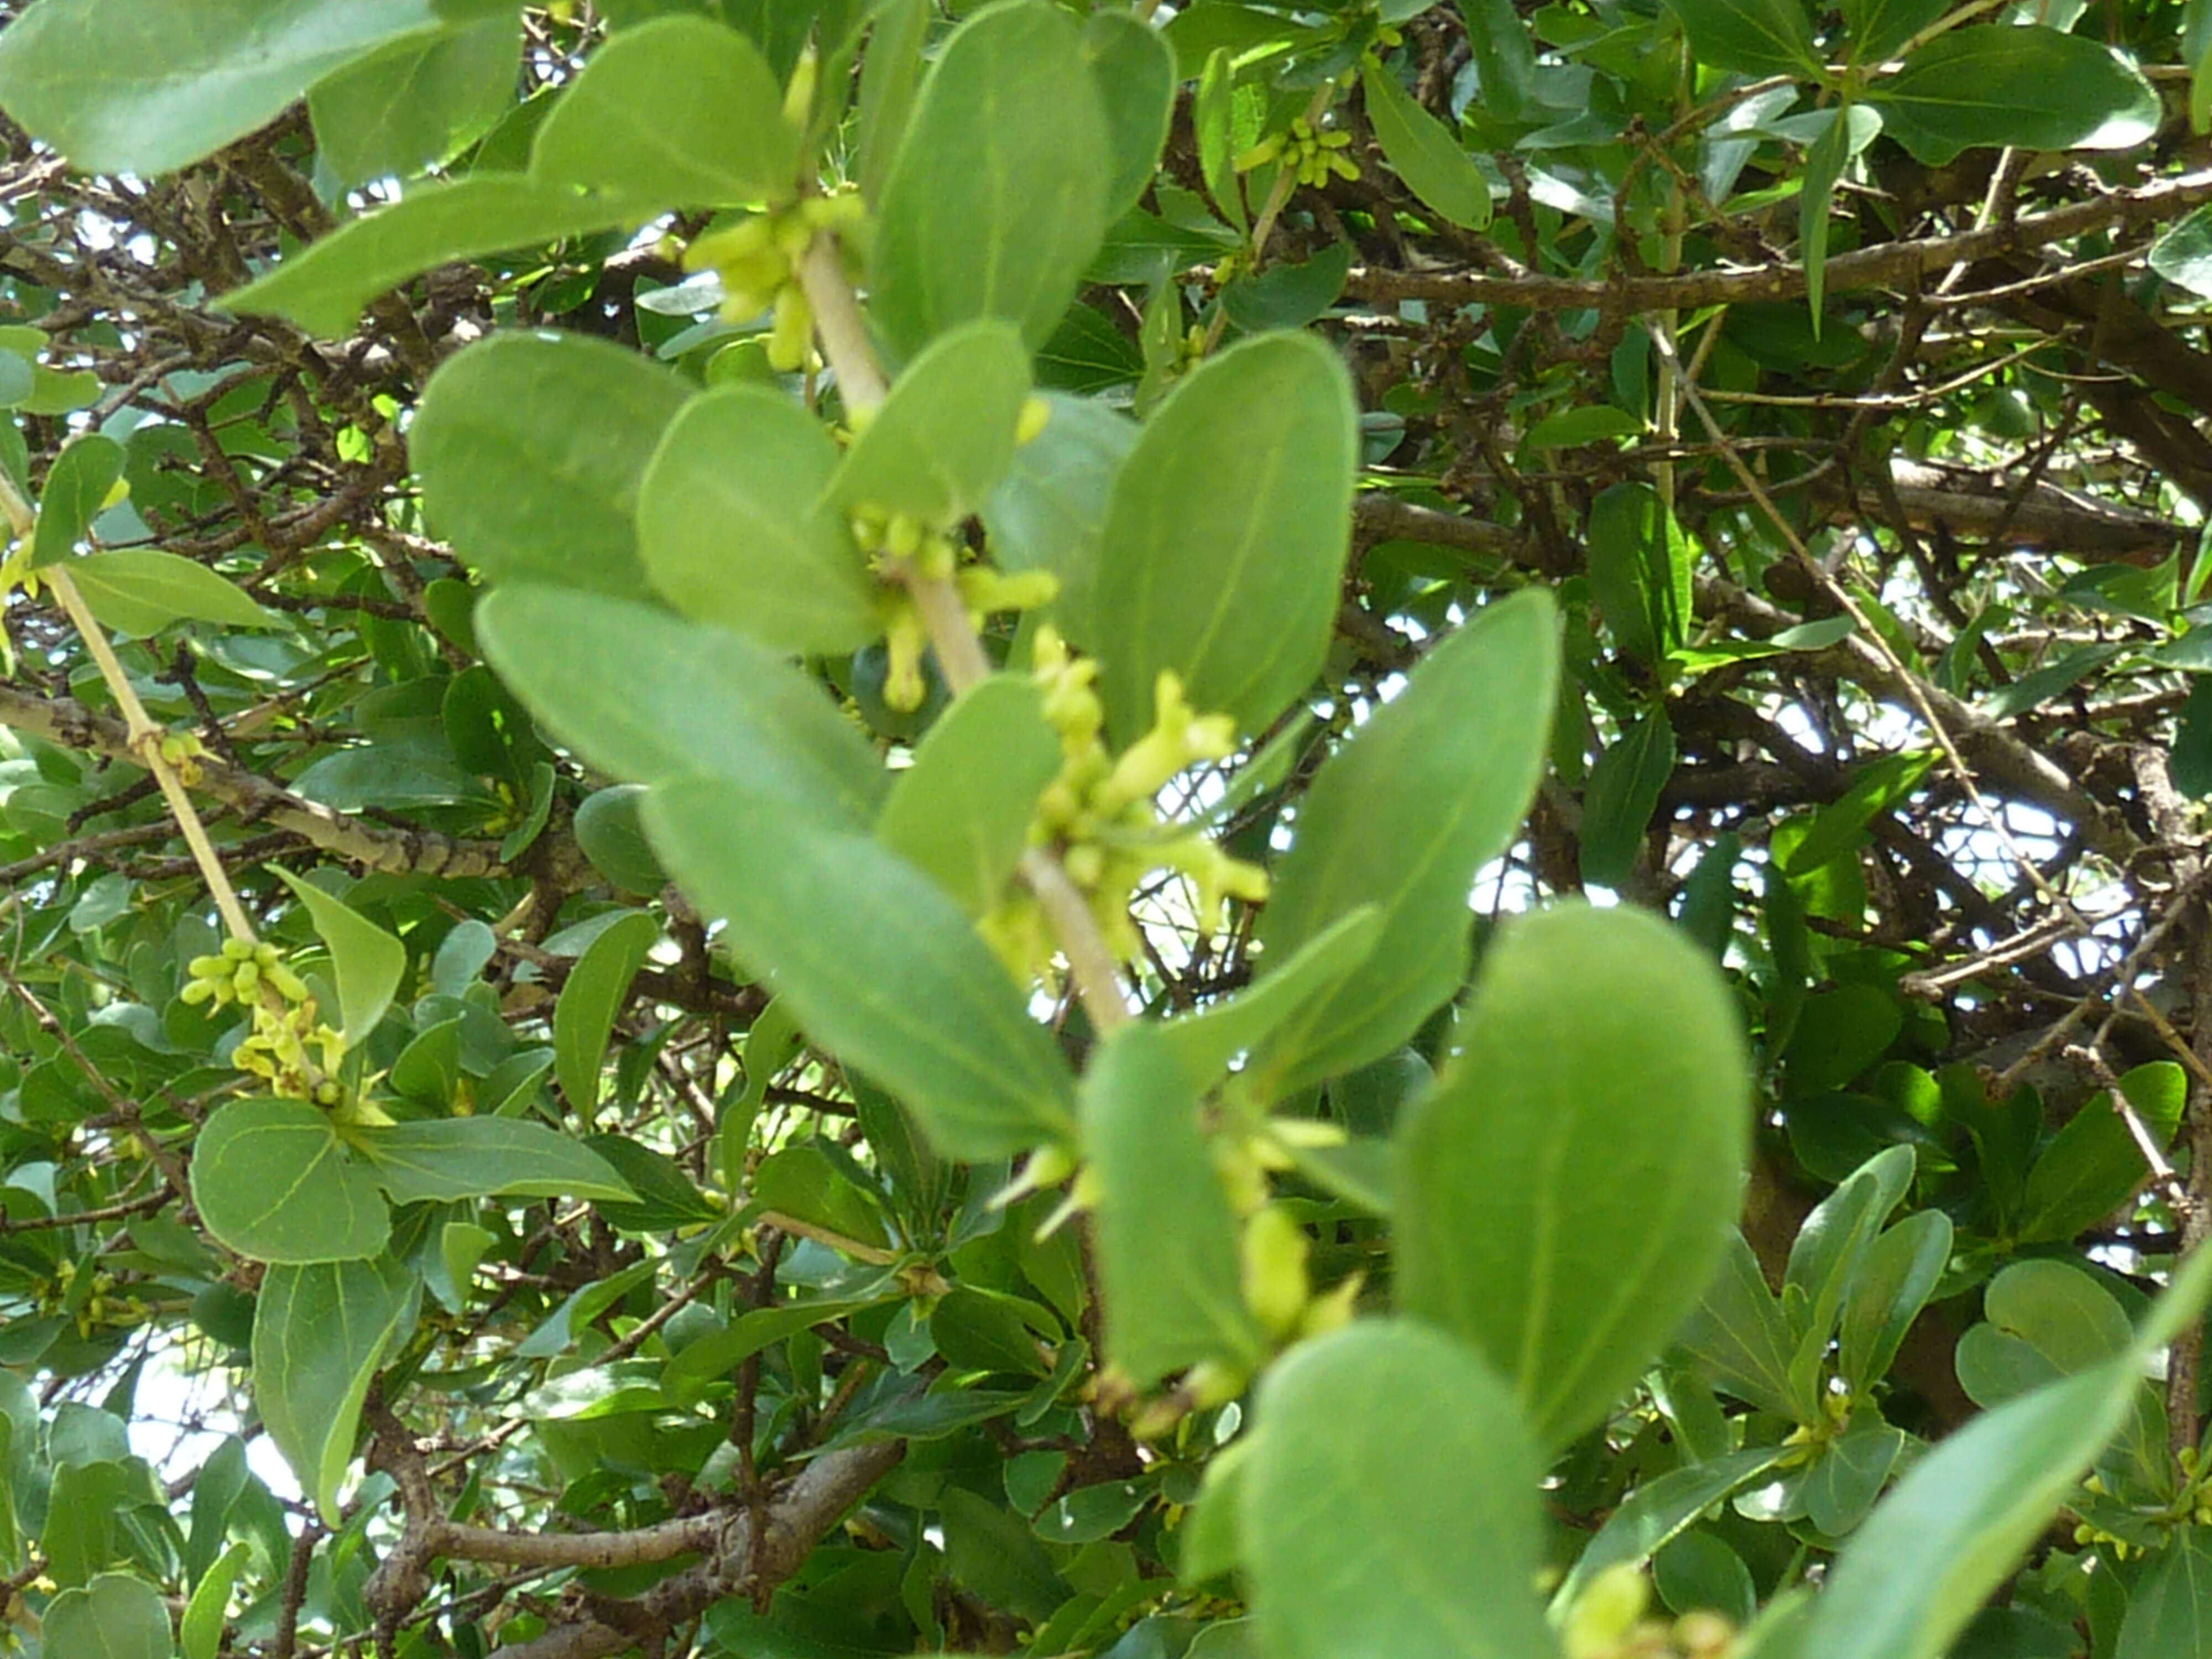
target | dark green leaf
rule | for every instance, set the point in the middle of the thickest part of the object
(76, 488)
(1136, 76)
(1661, 1510)
(319, 1333)
(1623, 791)
(416, 102)
(2170, 1613)
(459, 1157)
(1751, 37)
(598, 987)
(1424, 153)
(2093, 1164)
(2024, 85)
(114, 1616)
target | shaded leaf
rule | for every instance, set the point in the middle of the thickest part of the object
(319, 1333)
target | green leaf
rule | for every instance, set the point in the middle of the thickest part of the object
(416, 102)
(961, 813)
(1957, 1525)
(2182, 255)
(1639, 571)
(272, 1181)
(2170, 1612)
(1588, 423)
(1432, 788)
(1623, 793)
(319, 1333)
(1879, 785)
(531, 450)
(114, 1616)
(2094, 1165)
(1135, 70)
(1876, 29)
(366, 961)
(1899, 1273)
(1564, 1194)
(1206, 1042)
(1847, 1477)
(1286, 294)
(945, 437)
(140, 592)
(2045, 1320)
(998, 196)
(1424, 153)
(888, 75)
(676, 112)
(1225, 541)
(584, 1017)
(324, 289)
(1390, 1503)
(1825, 158)
(76, 488)
(640, 695)
(146, 89)
(1050, 510)
(2024, 85)
(608, 832)
(1661, 1510)
(732, 532)
(1752, 37)
(459, 1157)
(1825, 1258)
(878, 962)
(200, 1631)
(1166, 1237)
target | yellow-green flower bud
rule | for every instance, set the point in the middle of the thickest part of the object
(792, 331)
(1276, 1287)
(1605, 1612)
(1035, 415)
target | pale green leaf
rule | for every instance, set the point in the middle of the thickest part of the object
(417, 101)
(1424, 153)
(878, 962)
(1225, 539)
(272, 1181)
(961, 813)
(200, 1631)
(1135, 72)
(138, 591)
(114, 1616)
(2170, 1612)
(1207, 1040)
(445, 1159)
(1565, 1194)
(319, 1333)
(366, 961)
(584, 1017)
(1389, 1504)
(1050, 511)
(945, 437)
(1432, 788)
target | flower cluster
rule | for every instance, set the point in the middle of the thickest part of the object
(1099, 811)
(757, 259)
(1311, 154)
(898, 544)
(286, 1025)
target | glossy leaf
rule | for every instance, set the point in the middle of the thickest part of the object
(139, 591)
(1432, 788)
(677, 113)
(115, 1616)
(1606, 1168)
(76, 488)
(1225, 539)
(319, 1333)
(945, 437)
(1751, 37)
(443, 1159)
(1424, 153)
(1661, 1510)
(998, 198)
(1166, 1238)
(148, 89)
(878, 962)
(1389, 1507)
(531, 450)
(2094, 1165)
(366, 961)
(2027, 86)
(1876, 29)
(731, 532)
(597, 988)
(272, 1181)
(961, 813)
(642, 695)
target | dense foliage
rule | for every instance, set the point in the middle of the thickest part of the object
(837, 827)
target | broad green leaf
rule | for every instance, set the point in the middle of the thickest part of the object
(367, 961)
(1432, 788)
(147, 89)
(1661, 1510)
(1624, 790)
(1957, 1526)
(889, 73)
(459, 1157)
(945, 437)
(1849, 1475)
(1751, 37)
(732, 532)
(1639, 573)
(1876, 29)
(1825, 1258)
(1739, 1340)
(584, 1017)
(1424, 153)
(1389, 1504)
(1225, 539)
(1166, 1238)
(2182, 255)
(609, 833)
(324, 289)
(642, 695)
(719, 1352)
(1207, 1040)
(76, 488)
(677, 113)
(878, 962)
(1836, 828)
(138, 591)
(1899, 1273)
(2169, 1611)
(2024, 85)
(114, 1616)
(2045, 1320)
(961, 813)
(2094, 1165)
(998, 195)
(1212, 117)
(417, 101)
(200, 1631)
(531, 450)
(1135, 70)
(1050, 510)
(272, 1181)
(319, 1333)
(1564, 1194)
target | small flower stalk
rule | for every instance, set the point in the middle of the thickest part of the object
(289, 1047)
(757, 259)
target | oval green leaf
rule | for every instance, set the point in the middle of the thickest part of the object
(114, 1616)
(446, 1159)
(272, 1181)
(367, 961)
(76, 488)
(138, 591)
(318, 1333)
(945, 435)
(961, 813)
(584, 1017)
(1751, 37)
(2023, 85)
(1424, 154)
